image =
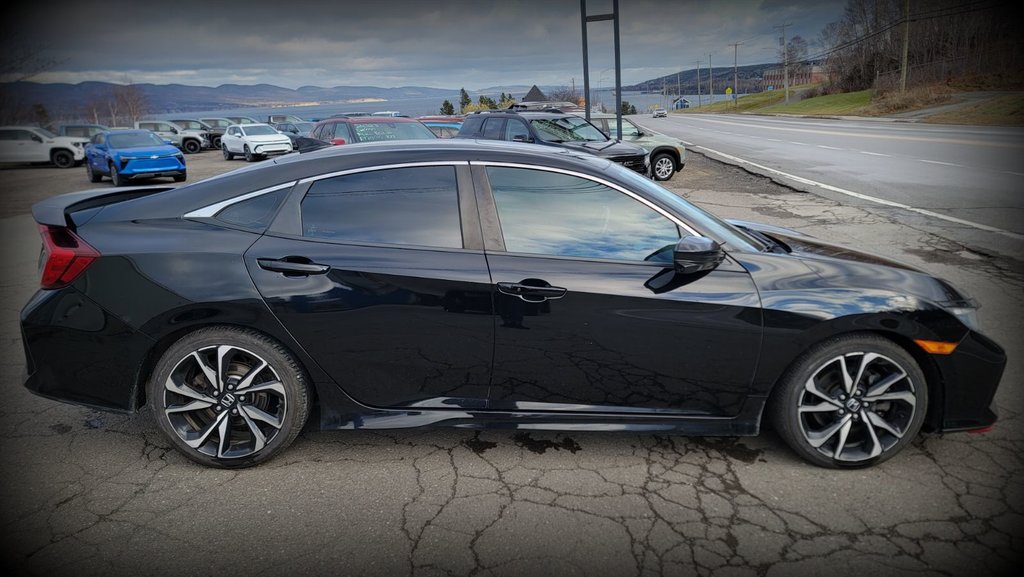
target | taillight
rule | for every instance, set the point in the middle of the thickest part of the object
(337, 141)
(64, 257)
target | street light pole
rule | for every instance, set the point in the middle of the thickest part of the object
(698, 83)
(735, 75)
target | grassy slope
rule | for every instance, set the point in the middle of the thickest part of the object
(839, 104)
(999, 111)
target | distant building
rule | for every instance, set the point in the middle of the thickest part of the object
(800, 74)
(535, 95)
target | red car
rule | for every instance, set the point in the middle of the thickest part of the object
(348, 130)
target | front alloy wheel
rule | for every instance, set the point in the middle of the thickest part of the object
(228, 397)
(853, 403)
(663, 167)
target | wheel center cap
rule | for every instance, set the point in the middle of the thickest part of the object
(227, 400)
(853, 405)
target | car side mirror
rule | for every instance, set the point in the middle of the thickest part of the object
(168, 141)
(694, 254)
(37, 138)
(521, 138)
(174, 131)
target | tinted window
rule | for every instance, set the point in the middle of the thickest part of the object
(255, 212)
(556, 214)
(492, 128)
(517, 128)
(377, 131)
(413, 206)
(135, 139)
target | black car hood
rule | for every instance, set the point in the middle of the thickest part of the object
(813, 263)
(606, 149)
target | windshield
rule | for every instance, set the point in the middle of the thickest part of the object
(258, 130)
(569, 128)
(304, 126)
(190, 124)
(217, 122)
(703, 221)
(45, 133)
(375, 131)
(134, 140)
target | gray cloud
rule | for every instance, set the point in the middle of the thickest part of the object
(443, 43)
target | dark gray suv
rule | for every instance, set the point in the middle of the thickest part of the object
(553, 128)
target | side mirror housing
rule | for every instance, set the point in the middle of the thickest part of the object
(694, 254)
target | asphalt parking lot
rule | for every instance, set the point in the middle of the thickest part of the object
(90, 493)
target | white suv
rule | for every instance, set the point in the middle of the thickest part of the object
(253, 141)
(31, 144)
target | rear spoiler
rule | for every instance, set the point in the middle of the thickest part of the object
(56, 210)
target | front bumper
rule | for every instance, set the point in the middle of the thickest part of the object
(276, 148)
(149, 167)
(970, 377)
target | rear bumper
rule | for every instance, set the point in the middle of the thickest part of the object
(77, 352)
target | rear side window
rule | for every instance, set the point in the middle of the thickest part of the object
(256, 212)
(492, 128)
(416, 206)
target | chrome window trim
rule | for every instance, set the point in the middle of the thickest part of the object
(585, 176)
(384, 167)
(212, 210)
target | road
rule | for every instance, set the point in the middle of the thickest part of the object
(969, 176)
(86, 493)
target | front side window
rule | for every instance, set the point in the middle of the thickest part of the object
(416, 206)
(552, 214)
(567, 129)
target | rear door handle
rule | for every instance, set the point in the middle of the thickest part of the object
(531, 293)
(293, 266)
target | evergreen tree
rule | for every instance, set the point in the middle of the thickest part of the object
(464, 100)
(446, 108)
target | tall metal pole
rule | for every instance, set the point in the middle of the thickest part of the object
(618, 70)
(711, 82)
(698, 84)
(735, 75)
(586, 60)
(785, 60)
(906, 45)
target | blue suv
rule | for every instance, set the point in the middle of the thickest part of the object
(125, 155)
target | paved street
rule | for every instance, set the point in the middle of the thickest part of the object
(969, 175)
(88, 493)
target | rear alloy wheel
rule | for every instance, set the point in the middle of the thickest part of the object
(62, 159)
(180, 177)
(851, 402)
(228, 397)
(663, 167)
(116, 176)
(93, 177)
(191, 146)
(227, 155)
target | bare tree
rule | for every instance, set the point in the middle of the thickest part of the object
(132, 100)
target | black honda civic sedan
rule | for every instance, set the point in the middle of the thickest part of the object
(484, 285)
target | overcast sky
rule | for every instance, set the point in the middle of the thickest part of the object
(439, 43)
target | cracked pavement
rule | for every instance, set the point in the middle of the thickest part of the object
(89, 493)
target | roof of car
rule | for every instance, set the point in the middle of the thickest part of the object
(368, 119)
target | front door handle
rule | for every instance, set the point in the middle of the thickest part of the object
(293, 266)
(531, 293)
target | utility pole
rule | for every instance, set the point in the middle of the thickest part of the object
(735, 75)
(785, 59)
(906, 45)
(711, 82)
(698, 83)
(679, 93)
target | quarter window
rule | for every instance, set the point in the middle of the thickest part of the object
(556, 214)
(410, 206)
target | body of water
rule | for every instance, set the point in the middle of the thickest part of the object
(426, 106)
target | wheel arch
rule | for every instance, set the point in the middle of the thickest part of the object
(928, 366)
(153, 355)
(671, 151)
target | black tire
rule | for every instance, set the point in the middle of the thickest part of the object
(851, 422)
(215, 142)
(62, 158)
(180, 177)
(249, 156)
(257, 424)
(227, 155)
(191, 146)
(663, 166)
(93, 177)
(116, 177)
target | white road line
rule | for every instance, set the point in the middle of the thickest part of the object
(874, 153)
(798, 143)
(829, 147)
(1014, 173)
(938, 162)
(874, 199)
(774, 139)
